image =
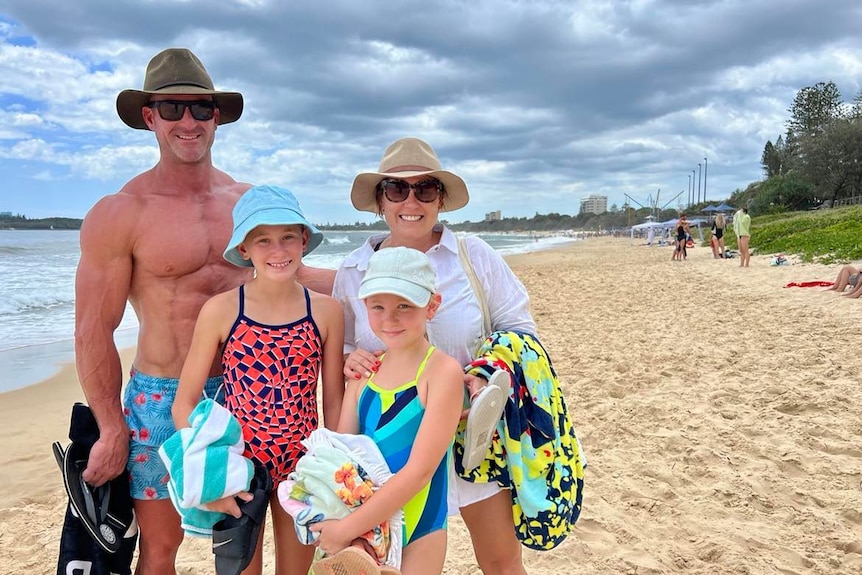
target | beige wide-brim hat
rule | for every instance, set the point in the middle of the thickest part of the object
(406, 158)
(176, 71)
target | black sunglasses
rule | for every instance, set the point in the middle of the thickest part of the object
(173, 110)
(396, 191)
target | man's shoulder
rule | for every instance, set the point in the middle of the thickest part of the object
(115, 208)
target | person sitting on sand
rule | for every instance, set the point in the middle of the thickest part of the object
(847, 276)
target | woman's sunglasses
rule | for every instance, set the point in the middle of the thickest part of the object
(173, 110)
(396, 191)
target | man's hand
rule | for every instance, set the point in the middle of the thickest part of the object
(108, 458)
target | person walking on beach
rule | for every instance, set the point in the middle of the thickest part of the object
(742, 228)
(273, 338)
(156, 243)
(484, 322)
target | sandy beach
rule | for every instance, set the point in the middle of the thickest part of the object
(720, 412)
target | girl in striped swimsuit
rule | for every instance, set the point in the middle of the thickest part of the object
(410, 419)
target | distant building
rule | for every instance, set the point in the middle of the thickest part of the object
(493, 216)
(594, 204)
(5, 214)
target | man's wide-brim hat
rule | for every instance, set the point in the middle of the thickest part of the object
(406, 158)
(176, 71)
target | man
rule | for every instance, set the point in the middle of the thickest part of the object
(742, 228)
(157, 243)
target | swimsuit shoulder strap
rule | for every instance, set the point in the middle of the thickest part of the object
(421, 367)
(307, 302)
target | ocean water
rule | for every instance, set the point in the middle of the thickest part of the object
(37, 294)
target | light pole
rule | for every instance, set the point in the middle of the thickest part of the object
(693, 182)
(689, 190)
(705, 164)
(698, 182)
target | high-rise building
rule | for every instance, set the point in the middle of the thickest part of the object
(594, 204)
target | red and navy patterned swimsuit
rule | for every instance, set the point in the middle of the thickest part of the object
(270, 376)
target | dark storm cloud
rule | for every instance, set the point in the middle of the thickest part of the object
(587, 97)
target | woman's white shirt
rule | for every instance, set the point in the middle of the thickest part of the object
(457, 326)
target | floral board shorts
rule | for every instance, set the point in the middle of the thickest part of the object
(147, 408)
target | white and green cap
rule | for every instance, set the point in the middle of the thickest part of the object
(400, 271)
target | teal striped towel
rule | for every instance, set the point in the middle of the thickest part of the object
(205, 463)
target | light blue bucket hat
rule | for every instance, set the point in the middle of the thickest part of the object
(266, 206)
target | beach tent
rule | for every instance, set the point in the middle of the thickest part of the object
(722, 207)
(651, 228)
(710, 208)
(667, 225)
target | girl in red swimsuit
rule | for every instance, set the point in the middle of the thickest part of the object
(274, 338)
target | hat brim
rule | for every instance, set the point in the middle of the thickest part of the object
(363, 193)
(415, 294)
(130, 103)
(269, 217)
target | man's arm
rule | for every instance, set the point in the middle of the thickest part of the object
(102, 286)
(316, 279)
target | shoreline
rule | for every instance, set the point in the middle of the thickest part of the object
(30, 365)
(719, 412)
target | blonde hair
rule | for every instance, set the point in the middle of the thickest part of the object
(719, 221)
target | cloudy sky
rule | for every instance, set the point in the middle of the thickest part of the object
(536, 103)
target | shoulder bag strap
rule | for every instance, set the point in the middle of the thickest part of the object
(476, 285)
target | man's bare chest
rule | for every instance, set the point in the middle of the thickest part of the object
(176, 247)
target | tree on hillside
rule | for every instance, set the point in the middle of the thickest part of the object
(822, 138)
(779, 194)
(814, 108)
(774, 158)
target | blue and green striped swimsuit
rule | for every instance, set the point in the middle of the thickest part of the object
(392, 419)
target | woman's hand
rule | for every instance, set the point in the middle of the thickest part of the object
(474, 385)
(330, 536)
(361, 363)
(229, 505)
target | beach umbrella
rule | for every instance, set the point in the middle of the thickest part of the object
(722, 207)
(710, 208)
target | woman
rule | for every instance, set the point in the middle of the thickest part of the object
(742, 228)
(409, 191)
(682, 231)
(718, 226)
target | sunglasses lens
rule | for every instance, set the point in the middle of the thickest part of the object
(171, 111)
(427, 190)
(395, 190)
(202, 111)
